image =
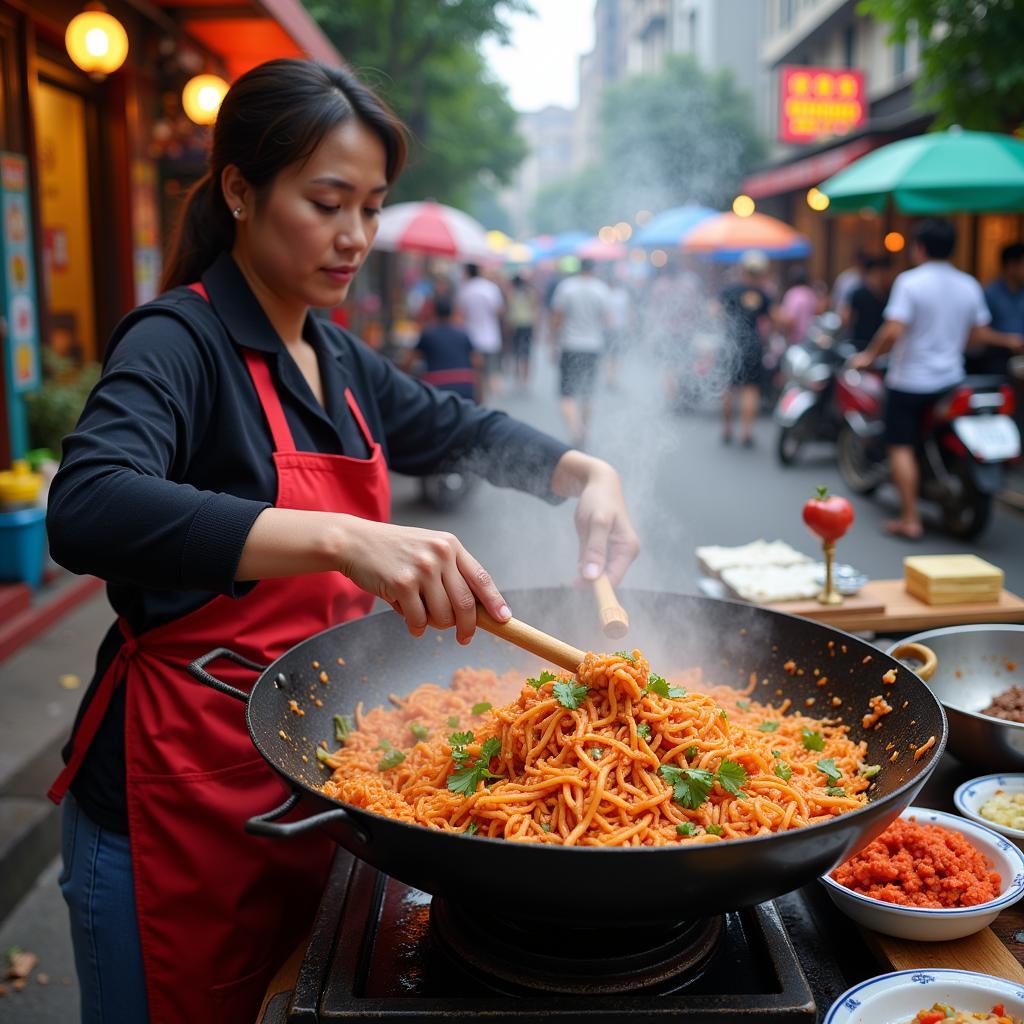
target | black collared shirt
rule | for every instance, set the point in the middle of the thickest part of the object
(172, 461)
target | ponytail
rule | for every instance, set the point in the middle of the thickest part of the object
(204, 230)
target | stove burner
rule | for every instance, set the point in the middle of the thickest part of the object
(521, 957)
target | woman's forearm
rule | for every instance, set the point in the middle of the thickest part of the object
(575, 470)
(292, 542)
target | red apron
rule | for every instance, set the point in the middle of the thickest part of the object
(220, 910)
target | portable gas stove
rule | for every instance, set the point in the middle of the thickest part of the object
(382, 951)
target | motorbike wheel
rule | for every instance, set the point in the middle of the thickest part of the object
(860, 472)
(446, 491)
(789, 444)
(966, 513)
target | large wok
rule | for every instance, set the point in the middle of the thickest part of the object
(587, 885)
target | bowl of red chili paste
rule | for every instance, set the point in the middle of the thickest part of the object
(930, 876)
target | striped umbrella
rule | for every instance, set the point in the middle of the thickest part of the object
(667, 229)
(726, 236)
(431, 228)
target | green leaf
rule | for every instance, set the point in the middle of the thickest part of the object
(776, 753)
(453, 722)
(479, 709)
(812, 740)
(659, 685)
(471, 829)
(490, 748)
(342, 727)
(690, 786)
(835, 791)
(869, 771)
(391, 759)
(743, 705)
(421, 732)
(627, 656)
(596, 753)
(323, 756)
(768, 726)
(722, 713)
(569, 694)
(690, 753)
(828, 768)
(460, 739)
(783, 771)
(714, 830)
(467, 777)
(384, 745)
(643, 730)
(676, 692)
(546, 826)
(545, 677)
(686, 829)
(731, 776)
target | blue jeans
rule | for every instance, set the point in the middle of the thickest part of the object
(98, 889)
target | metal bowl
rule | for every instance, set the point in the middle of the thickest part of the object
(975, 664)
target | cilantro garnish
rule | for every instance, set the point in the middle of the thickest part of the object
(342, 727)
(776, 753)
(545, 826)
(460, 739)
(453, 722)
(643, 730)
(731, 776)
(544, 677)
(659, 685)
(490, 748)
(471, 829)
(686, 829)
(722, 713)
(690, 786)
(690, 753)
(835, 791)
(812, 740)
(569, 694)
(743, 705)
(828, 768)
(322, 755)
(469, 774)
(419, 731)
(714, 830)
(869, 771)
(384, 745)
(596, 753)
(391, 759)
(768, 726)
(783, 771)
(479, 709)
(627, 655)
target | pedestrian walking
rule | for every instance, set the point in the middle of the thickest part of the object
(522, 318)
(480, 305)
(229, 479)
(450, 362)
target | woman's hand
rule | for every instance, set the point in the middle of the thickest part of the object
(428, 577)
(608, 542)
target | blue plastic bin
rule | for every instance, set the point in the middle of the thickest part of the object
(23, 545)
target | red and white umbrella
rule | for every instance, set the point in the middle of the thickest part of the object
(431, 228)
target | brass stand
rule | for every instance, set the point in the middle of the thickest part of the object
(829, 595)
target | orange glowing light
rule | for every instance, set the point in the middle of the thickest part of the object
(894, 242)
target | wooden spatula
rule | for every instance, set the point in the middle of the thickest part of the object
(527, 637)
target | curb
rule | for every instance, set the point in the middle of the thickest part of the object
(32, 619)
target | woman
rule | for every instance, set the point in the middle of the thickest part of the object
(234, 439)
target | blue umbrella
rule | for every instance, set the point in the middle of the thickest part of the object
(566, 243)
(796, 251)
(668, 228)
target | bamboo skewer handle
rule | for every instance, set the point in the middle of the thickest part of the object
(533, 640)
(614, 618)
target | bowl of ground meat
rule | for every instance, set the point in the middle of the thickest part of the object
(980, 682)
(930, 877)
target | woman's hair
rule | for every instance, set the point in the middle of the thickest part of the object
(274, 116)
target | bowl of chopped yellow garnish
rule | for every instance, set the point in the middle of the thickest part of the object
(996, 801)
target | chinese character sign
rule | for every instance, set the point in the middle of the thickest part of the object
(819, 103)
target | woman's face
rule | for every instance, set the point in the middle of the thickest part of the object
(312, 231)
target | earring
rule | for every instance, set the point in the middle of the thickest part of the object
(236, 212)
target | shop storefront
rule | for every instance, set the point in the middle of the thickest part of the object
(102, 162)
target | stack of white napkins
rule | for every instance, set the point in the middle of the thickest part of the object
(763, 571)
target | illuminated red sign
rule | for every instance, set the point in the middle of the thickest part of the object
(820, 103)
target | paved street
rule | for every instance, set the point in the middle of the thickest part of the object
(685, 489)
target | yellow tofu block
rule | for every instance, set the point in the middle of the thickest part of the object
(951, 579)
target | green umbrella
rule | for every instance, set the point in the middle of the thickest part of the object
(942, 172)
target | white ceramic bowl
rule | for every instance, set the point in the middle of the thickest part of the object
(924, 924)
(895, 998)
(973, 795)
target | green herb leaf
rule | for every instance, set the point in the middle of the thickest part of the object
(743, 705)
(479, 709)
(690, 786)
(627, 655)
(546, 826)
(783, 771)
(812, 740)
(391, 759)
(776, 753)
(453, 722)
(869, 771)
(722, 713)
(472, 829)
(690, 753)
(569, 694)
(731, 776)
(768, 726)
(643, 730)
(322, 755)
(468, 776)
(544, 677)
(596, 753)
(421, 732)
(460, 739)
(835, 791)
(828, 768)
(384, 745)
(659, 685)
(342, 727)
(490, 748)
(686, 829)
(714, 830)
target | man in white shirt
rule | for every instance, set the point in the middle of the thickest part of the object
(581, 310)
(934, 313)
(479, 303)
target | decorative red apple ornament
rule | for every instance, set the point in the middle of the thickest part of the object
(830, 518)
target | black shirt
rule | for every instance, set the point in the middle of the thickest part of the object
(171, 462)
(446, 347)
(743, 305)
(866, 309)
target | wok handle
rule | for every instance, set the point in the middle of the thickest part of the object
(614, 618)
(267, 825)
(533, 640)
(918, 652)
(197, 669)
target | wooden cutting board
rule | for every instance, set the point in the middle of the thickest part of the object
(981, 952)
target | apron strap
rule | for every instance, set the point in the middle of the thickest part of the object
(270, 401)
(357, 415)
(90, 723)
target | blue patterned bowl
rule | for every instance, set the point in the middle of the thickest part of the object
(973, 795)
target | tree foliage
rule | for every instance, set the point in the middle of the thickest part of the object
(422, 56)
(681, 135)
(972, 73)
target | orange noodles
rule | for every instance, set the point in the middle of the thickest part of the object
(639, 762)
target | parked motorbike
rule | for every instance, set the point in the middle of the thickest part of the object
(806, 409)
(965, 443)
